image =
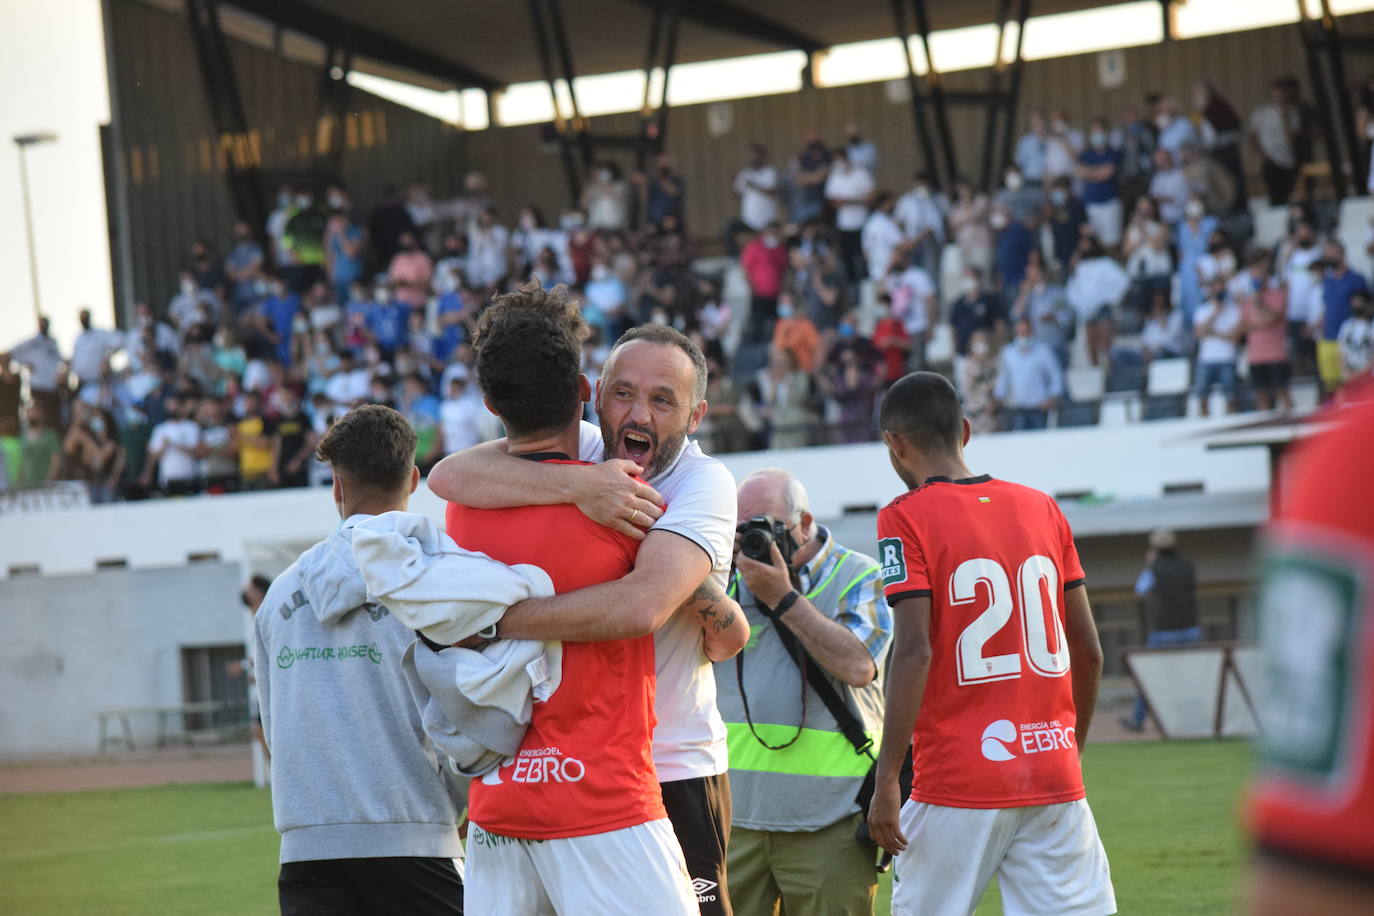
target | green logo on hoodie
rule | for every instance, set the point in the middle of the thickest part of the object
(288, 656)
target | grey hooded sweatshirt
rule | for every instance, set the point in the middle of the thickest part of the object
(353, 774)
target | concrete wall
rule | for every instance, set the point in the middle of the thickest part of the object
(73, 645)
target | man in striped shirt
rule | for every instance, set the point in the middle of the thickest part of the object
(794, 775)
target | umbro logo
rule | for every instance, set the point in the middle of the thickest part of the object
(701, 887)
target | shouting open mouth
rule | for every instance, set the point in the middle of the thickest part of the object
(637, 445)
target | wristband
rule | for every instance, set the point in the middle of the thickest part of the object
(786, 603)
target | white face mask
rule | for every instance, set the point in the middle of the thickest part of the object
(1097, 138)
(336, 201)
(979, 348)
(998, 220)
(603, 176)
(1193, 210)
(922, 192)
(188, 287)
(1014, 181)
(1162, 121)
(383, 295)
(969, 287)
(600, 272)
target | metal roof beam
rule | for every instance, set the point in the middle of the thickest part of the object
(327, 27)
(727, 17)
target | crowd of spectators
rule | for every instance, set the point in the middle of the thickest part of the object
(1106, 246)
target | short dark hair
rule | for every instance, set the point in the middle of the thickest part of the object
(923, 407)
(529, 358)
(662, 334)
(372, 446)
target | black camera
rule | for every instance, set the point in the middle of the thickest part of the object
(759, 533)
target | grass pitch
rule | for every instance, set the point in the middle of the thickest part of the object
(1167, 814)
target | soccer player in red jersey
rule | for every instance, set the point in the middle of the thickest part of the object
(574, 823)
(992, 681)
(1312, 810)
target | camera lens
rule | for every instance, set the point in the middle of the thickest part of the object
(755, 544)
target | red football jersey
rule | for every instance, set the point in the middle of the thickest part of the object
(584, 766)
(996, 725)
(1315, 797)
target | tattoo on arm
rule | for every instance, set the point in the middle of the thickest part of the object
(713, 596)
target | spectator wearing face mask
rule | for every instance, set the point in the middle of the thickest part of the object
(604, 300)
(911, 294)
(452, 266)
(91, 351)
(304, 237)
(977, 381)
(192, 306)
(663, 192)
(1263, 305)
(976, 309)
(1339, 288)
(606, 198)
(1356, 339)
(969, 228)
(1148, 259)
(1169, 188)
(756, 188)
(765, 267)
(1097, 285)
(821, 285)
(279, 310)
(172, 448)
(1218, 327)
(1302, 281)
(881, 237)
(921, 216)
(1046, 307)
(344, 241)
(796, 334)
(1025, 200)
(1014, 245)
(807, 173)
(409, 272)
(1164, 335)
(1063, 144)
(862, 152)
(243, 267)
(1174, 129)
(1192, 238)
(1067, 218)
(1099, 165)
(1033, 148)
(848, 187)
(387, 321)
(892, 342)
(1029, 380)
(1208, 180)
(281, 214)
(488, 251)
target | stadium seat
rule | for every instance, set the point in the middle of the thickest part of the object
(1270, 222)
(1086, 384)
(1168, 376)
(940, 347)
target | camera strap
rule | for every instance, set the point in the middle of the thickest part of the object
(845, 719)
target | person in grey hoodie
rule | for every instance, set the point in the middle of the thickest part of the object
(366, 812)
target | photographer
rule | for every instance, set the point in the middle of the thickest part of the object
(817, 614)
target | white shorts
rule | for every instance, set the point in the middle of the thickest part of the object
(1048, 857)
(632, 871)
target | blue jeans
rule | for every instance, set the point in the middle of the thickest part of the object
(1182, 637)
(1219, 375)
(1028, 418)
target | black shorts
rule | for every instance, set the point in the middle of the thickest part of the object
(368, 887)
(700, 811)
(1269, 376)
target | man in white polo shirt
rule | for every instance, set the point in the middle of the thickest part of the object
(650, 397)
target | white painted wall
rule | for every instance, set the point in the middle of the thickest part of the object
(73, 645)
(75, 639)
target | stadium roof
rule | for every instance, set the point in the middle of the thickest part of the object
(485, 44)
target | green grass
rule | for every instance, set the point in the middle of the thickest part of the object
(1167, 814)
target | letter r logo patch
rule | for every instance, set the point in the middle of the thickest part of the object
(893, 560)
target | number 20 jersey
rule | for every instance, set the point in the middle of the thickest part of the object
(996, 724)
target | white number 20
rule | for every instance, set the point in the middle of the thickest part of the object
(974, 666)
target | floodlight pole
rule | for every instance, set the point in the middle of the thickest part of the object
(24, 141)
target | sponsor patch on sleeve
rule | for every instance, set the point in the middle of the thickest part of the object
(893, 560)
